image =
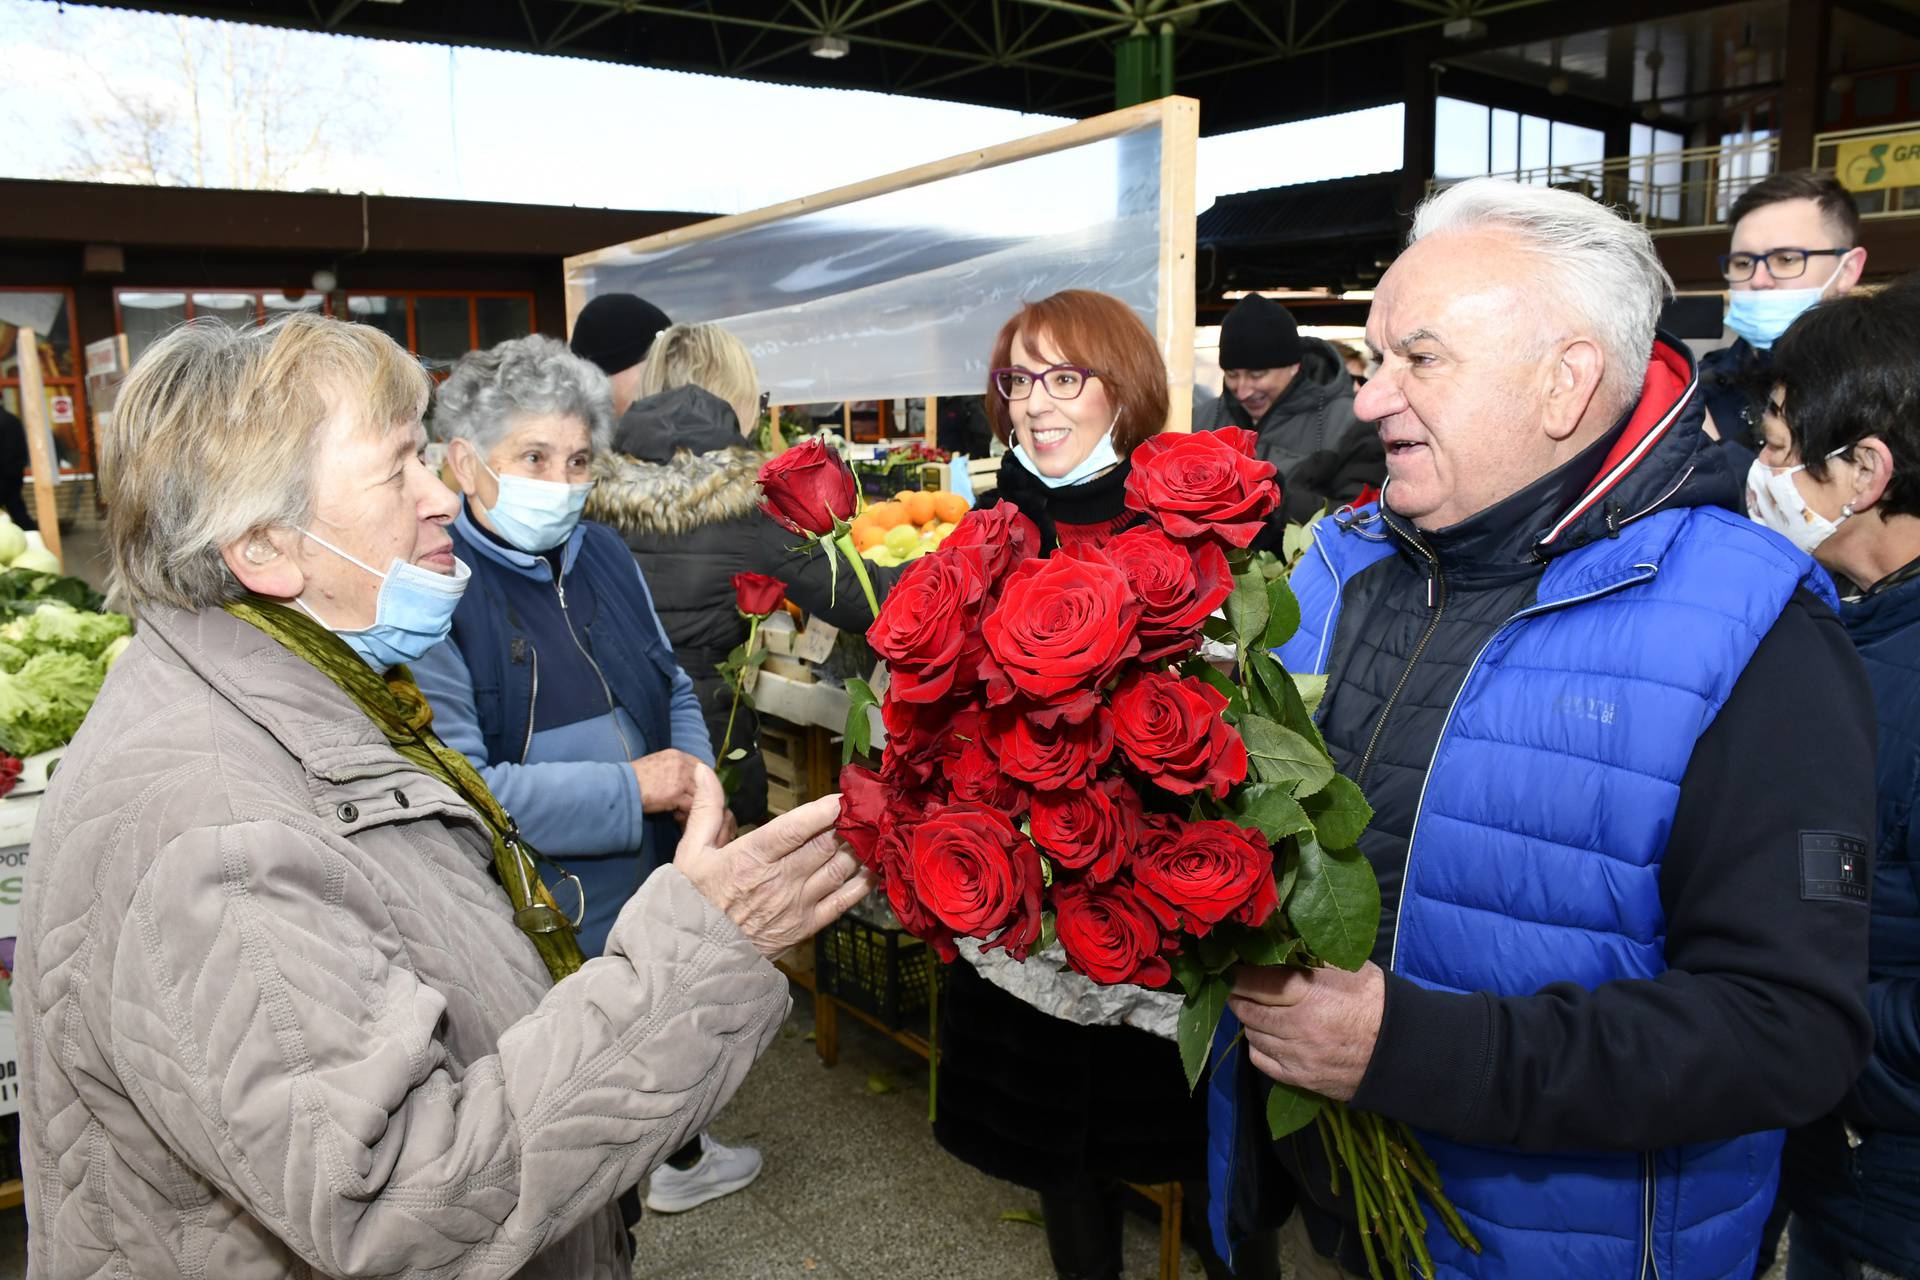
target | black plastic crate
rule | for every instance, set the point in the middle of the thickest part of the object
(887, 973)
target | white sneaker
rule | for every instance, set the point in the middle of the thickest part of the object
(720, 1171)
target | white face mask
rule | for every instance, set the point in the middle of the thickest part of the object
(1775, 501)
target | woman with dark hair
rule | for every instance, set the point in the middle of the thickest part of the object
(1047, 1079)
(1839, 475)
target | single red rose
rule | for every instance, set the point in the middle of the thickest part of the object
(1110, 933)
(904, 897)
(1093, 829)
(978, 875)
(756, 594)
(1062, 626)
(864, 813)
(1061, 756)
(974, 775)
(808, 488)
(996, 538)
(929, 628)
(1178, 586)
(1203, 484)
(1208, 871)
(1171, 729)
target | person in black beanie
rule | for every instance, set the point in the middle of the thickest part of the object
(615, 331)
(1295, 392)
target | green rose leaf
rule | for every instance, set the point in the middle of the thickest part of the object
(1335, 906)
(1283, 613)
(1247, 607)
(1279, 755)
(1199, 1018)
(1289, 872)
(1270, 810)
(1309, 690)
(1216, 950)
(1271, 945)
(859, 733)
(1340, 813)
(1290, 1110)
(1188, 971)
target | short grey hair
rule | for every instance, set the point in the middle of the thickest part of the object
(1596, 267)
(534, 375)
(215, 436)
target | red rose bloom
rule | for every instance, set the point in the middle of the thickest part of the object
(1110, 933)
(1207, 871)
(1053, 757)
(1171, 730)
(1203, 484)
(864, 814)
(1062, 626)
(1092, 829)
(977, 874)
(922, 738)
(808, 488)
(1178, 587)
(756, 594)
(929, 629)
(996, 538)
(976, 776)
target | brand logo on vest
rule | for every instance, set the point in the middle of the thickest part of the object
(1598, 710)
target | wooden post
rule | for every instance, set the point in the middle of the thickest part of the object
(46, 467)
(930, 424)
(846, 420)
(1179, 142)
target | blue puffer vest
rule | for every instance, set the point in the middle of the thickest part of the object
(508, 620)
(1563, 754)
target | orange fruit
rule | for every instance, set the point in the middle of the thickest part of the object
(867, 534)
(918, 506)
(949, 508)
(886, 514)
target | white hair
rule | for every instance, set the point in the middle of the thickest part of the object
(488, 391)
(1596, 269)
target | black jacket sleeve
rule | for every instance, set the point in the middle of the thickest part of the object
(827, 591)
(1760, 1022)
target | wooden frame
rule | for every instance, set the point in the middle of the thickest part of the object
(74, 384)
(1178, 120)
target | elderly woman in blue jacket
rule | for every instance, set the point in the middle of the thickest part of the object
(558, 681)
(1839, 474)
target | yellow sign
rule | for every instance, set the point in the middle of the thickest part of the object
(1874, 164)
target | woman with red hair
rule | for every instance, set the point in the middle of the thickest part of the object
(1047, 1079)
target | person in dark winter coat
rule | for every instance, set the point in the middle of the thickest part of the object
(1796, 240)
(1046, 1079)
(1296, 393)
(1847, 376)
(1623, 937)
(681, 486)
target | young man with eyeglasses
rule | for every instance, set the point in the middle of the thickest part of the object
(1796, 241)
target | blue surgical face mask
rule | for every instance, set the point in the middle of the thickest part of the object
(414, 613)
(1762, 315)
(1099, 459)
(534, 515)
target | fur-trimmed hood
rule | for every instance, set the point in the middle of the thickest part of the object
(671, 499)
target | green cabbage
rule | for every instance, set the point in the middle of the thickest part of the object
(62, 628)
(43, 703)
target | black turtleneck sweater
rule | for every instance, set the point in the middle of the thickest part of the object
(1760, 1021)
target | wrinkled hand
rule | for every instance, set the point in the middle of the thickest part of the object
(1315, 1028)
(669, 780)
(782, 882)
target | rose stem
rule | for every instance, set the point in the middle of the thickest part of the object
(845, 542)
(1325, 1126)
(739, 679)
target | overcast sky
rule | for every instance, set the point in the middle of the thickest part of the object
(483, 125)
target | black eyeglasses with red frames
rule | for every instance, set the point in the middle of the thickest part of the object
(1063, 381)
(1782, 264)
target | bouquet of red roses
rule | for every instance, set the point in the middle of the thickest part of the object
(1062, 763)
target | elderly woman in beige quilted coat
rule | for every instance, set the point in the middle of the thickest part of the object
(279, 1014)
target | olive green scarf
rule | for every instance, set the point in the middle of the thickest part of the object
(396, 705)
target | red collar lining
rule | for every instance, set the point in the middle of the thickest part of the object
(1669, 386)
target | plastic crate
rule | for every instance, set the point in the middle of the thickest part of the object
(887, 973)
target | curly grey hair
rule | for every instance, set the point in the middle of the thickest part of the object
(533, 375)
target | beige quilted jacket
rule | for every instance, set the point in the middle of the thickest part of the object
(278, 1021)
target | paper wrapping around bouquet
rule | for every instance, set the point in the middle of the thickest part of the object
(1044, 981)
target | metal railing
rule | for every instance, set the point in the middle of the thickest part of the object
(1877, 202)
(1663, 191)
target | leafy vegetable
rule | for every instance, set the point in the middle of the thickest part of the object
(65, 629)
(43, 703)
(22, 591)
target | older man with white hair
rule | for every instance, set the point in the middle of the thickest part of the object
(1621, 761)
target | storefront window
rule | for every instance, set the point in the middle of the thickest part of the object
(49, 313)
(388, 314)
(501, 319)
(146, 316)
(443, 328)
(235, 310)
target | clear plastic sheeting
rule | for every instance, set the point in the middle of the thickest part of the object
(901, 294)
